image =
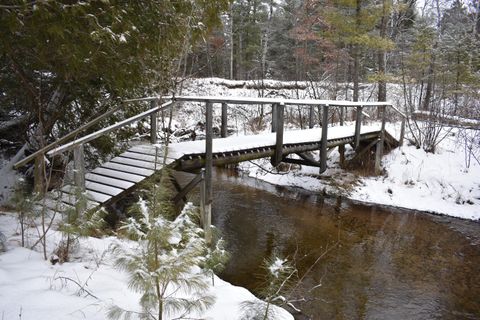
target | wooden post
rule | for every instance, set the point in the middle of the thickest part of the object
(358, 126)
(341, 148)
(79, 178)
(278, 154)
(402, 132)
(202, 197)
(311, 117)
(208, 171)
(323, 146)
(342, 112)
(379, 151)
(79, 167)
(274, 117)
(153, 123)
(223, 131)
(39, 174)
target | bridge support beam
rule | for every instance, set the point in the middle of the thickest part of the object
(278, 154)
(379, 151)
(207, 217)
(324, 141)
(182, 193)
(223, 131)
(341, 149)
(153, 123)
(402, 133)
(358, 126)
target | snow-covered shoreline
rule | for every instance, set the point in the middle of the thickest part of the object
(436, 183)
(86, 287)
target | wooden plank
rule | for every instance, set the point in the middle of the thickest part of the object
(70, 198)
(144, 157)
(128, 169)
(142, 149)
(136, 163)
(146, 149)
(102, 188)
(109, 181)
(90, 194)
(118, 175)
(253, 100)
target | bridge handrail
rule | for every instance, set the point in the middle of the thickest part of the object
(251, 100)
(96, 134)
(403, 115)
(66, 137)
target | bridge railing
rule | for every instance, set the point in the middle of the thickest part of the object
(278, 119)
(61, 145)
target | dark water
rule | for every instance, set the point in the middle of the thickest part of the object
(357, 261)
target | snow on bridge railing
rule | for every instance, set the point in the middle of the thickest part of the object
(113, 127)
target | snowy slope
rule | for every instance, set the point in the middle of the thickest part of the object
(31, 288)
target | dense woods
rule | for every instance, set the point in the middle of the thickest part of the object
(66, 62)
(431, 48)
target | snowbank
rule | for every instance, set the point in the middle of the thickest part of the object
(32, 288)
(439, 182)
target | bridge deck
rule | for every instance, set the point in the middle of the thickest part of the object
(123, 172)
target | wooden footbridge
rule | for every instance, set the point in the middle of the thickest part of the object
(108, 182)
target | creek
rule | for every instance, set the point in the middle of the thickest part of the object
(355, 261)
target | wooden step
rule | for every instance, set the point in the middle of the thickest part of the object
(118, 175)
(69, 191)
(102, 188)
(150, 150)
(136, 163)
(117, 183)
(128, 169)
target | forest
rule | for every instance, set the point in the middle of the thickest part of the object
(66, 61)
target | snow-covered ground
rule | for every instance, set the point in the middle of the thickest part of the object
(86, 287)
(437, 182)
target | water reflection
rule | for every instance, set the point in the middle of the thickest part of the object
(361, 262)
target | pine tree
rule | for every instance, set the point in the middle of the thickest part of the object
(162, 263)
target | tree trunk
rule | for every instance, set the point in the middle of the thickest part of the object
(381, 56)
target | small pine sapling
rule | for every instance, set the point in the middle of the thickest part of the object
(161, 264)
(78, 223)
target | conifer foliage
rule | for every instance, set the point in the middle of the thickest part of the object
(163, 261)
